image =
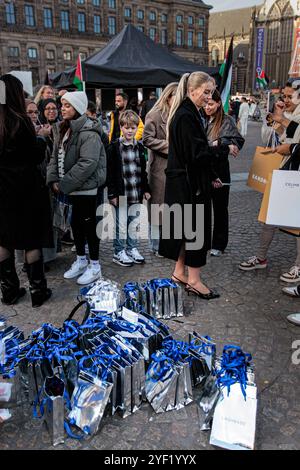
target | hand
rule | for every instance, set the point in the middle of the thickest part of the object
(283, 149)
(233, 150)
(215, 143)
(45, 130)
(147, 196)
(114, 201)
(217, 183)
(55, 188)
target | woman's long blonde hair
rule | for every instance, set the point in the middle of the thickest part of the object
(38, 96)
(162, 104)
(187, 81)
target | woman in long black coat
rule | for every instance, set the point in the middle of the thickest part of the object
(189, 177)
(25, 221)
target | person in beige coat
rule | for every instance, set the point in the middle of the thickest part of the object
(155, 140)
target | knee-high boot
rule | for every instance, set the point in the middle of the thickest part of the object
(38, 283)
(9, 282)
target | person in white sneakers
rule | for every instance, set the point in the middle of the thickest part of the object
(77, 168)
(291, 162)
(243, 117)
(127, 178)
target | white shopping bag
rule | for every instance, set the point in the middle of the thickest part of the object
(234, 419)
(284, 202)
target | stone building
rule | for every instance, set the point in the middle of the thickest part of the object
(222, 26)
(49, 35)
(275, 30)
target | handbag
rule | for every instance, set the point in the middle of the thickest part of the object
(283, 207)
(62, 212)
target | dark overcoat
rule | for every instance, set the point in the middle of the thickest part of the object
(189, 177)
(25, 214)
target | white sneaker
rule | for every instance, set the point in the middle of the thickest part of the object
(292, 291)
(214, 252)
(136, 256)
(294, 318)
(76, 269)
(293, 275)
(91, 274)
(122, 259)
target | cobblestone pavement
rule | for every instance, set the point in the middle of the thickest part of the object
(251, 313)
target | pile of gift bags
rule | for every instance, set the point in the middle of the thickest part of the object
(160, 298)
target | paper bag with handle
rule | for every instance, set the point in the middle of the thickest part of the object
(264, 162)
(264, 209)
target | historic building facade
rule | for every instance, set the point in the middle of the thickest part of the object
(49, 35)
(275, 30)
(222, 26)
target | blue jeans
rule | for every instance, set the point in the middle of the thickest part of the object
(126, 229)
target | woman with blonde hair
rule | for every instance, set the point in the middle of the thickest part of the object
(186, 236)
(156, 141)
(45, 92)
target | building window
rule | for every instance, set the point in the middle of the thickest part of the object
(190, 20)
(200, 40)
(112, 4)
(164, 37)
(81, 22)
(83, 55)
(51, 70)
(29, 15)
(13, 52)
(48, 19)
(179, 19)
(140, 14)
(32, 53)
(152, 16)
(67, 55)
(140, 28)
(179, 36)
(65, 22)
(127, 12)
(201, 21)
(152, 33)
(97, 24)
(96, 3)
(164, 18)
(111, 25)
(10, 13)
(190, 38)
(50, 54)
(81, 2)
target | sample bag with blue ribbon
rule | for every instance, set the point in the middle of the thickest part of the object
(234, 420)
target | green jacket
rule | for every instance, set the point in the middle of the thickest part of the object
(85, 158)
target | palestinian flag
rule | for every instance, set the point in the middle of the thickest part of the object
(261, 79)
(226, 74)
(78, 82)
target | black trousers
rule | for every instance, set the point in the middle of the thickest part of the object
(220, 200)
(83, 225)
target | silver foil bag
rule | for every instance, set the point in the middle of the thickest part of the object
(53, 403)
(10, 390)
(207, 402)
(89, 401)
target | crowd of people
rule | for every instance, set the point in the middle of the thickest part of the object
(173, 151)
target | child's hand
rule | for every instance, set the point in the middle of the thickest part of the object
(114, 201)
(147, 196)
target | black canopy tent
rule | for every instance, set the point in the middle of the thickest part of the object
(130, 60)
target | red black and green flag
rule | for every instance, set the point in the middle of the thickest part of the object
(78, 81)
(261, 79)
(226, 74)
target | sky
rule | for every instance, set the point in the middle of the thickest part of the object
(221, 5)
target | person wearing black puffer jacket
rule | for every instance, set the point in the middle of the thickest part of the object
(77, 169)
